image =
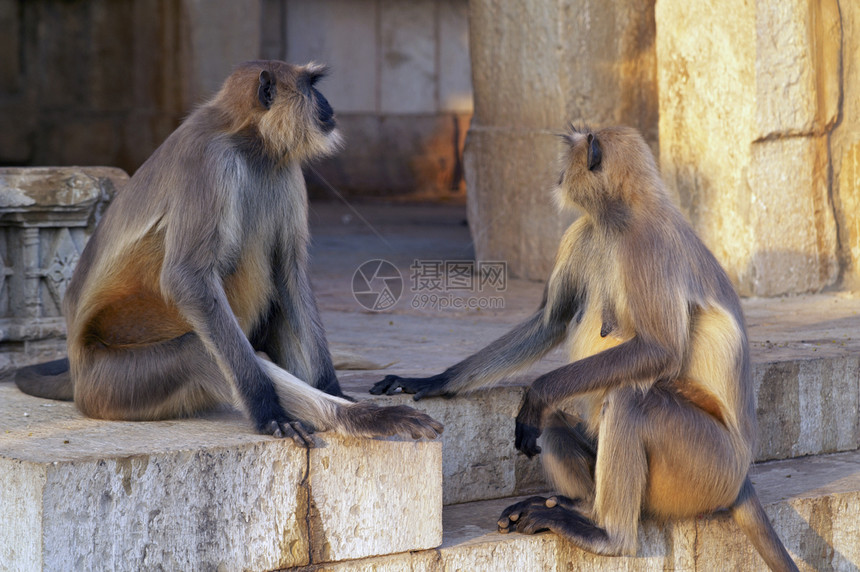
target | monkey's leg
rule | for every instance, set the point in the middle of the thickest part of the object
(620, 476)
(569, 456)
(159, 381)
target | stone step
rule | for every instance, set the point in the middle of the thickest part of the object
(806, 406)
(202, 494)
(806, 376)
(814, 504)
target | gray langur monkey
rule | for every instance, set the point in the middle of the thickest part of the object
(200, 266)
(656, 412)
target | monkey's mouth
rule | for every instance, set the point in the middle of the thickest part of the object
(327, 124)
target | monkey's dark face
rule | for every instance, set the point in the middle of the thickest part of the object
(296, 120)
(325, 114)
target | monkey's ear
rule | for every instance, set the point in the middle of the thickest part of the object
(594, 154)
(266, 91)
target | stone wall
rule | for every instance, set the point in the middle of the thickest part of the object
(400, 85)
(103, 82)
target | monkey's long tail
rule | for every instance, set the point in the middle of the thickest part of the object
(51, 380)
(750, 516)
(362, 419)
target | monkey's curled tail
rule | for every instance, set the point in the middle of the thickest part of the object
(750, 516)
(51, 380)
(362, 419)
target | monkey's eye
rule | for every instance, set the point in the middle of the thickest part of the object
(561, 178)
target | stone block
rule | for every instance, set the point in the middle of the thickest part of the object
(746, 189)
(343, 34)
(812, 502)
(807, 406)
(791, 217)
(423, 561)
(396, 154)
(797, 75)
(478, 455)
(512, 215)
(374, 497)
(202, 493)
(185, 494)
(407, 36)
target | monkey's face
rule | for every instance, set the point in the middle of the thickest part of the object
(294, 119)
(581, 178)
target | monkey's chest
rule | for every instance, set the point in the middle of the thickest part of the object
(600, 327)
(250, 289)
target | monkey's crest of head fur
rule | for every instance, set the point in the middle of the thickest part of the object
(606, 167)
(295, 123)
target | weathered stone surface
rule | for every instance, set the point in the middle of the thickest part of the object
(791, 217)
(807, 407)
(816, 522)
(479, 460)
(424, 561)
(176, 494)
(588, 62)
(201, 493)
(745, 106)
(455, 70)
(512, 216)
(845, 148)
(374, 497)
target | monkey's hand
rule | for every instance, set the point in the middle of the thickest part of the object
(420, 386)
(528, 426)
(295, 430)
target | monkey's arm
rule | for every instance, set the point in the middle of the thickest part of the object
(660, 314)
(203, 303)
(635, 362)
(522, 346)
(294, 336)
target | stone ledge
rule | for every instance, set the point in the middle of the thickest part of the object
(201, 493)
(806, 406)
(815, 515)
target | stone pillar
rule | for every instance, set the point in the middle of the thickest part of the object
(845, 147)
(46, 216)
(749, 97)
(536, 66)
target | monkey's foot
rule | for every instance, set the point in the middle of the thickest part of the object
(420, 386)
(558, 514)
(535, 514)
(294, 430)
(369, 420)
